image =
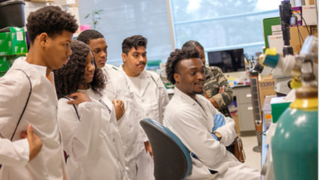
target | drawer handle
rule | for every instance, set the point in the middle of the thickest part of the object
(248, 95)
(250, 108)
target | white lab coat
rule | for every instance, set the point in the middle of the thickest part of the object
(93, 144)
(117, 88)
(41, 113)
(153, 100)
(193, 125)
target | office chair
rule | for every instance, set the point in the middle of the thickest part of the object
(172, 159)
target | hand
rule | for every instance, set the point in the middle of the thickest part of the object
(119, 108)
(79, 97)
(214, 136)
(218, 121)
(214, 103)
(218, 135)
(35, 143)
(148, 148)
(221, 89)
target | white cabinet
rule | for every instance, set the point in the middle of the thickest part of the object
(245, 109)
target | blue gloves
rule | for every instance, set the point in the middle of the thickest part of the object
(218, 121)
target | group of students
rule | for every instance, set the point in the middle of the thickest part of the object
(66, 114)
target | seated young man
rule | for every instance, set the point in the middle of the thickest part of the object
(201, 127)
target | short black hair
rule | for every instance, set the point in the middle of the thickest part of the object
(89, 34)
(51, 20)
(68, 77)
(192, 44)
(175, 58)
(133, 41)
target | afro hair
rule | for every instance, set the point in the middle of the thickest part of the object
(68, 78)
(177, 56)
(51, 20)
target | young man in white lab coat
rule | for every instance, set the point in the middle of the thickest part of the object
(117, 89)
(149, 92)
(198, 124)
(49, 50)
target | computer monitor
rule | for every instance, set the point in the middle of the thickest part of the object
(227, 60)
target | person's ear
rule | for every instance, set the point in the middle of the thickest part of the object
(124, 57)
(177, 77)
(44, 39)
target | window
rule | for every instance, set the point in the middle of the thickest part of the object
(123, 18)
(221, 25)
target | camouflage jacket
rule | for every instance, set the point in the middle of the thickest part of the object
(214, 80)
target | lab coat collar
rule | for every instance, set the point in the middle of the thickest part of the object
(189, 100)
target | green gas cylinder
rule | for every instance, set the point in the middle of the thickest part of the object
(295, 142)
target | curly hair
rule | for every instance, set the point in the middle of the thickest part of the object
(192, 44)
(175, 58)
(51, 20)
(87, 35)
(133, 41)
(68, 78)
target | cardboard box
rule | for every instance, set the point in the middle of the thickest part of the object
(276, 41)
(266, 87)
(294, 36)
(14, 42)
(4, 64)
(309, 2)
(309, 14)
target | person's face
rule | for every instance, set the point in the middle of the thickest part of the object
(57, 49)
(99, 49)
(190, 76)
(90, 68)
(135, 61)
(202, 56)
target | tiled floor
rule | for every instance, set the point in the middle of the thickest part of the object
(253, 158)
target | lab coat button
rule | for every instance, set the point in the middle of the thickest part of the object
(113, 140)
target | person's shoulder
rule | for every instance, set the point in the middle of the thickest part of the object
(178, 105)
(111, 67)
(16, 79)
(152, 74)
(114, 70)
(62, 102)
(155, 77)
(215, 70)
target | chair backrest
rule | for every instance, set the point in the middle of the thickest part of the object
(172, 159)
